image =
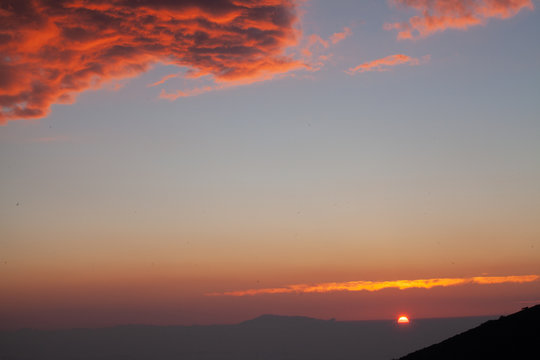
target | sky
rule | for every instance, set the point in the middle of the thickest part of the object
(198, 162)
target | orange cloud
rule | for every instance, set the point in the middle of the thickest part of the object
(191, 92)
(164, 79)
(313, 40)
(52, 50)
(380, 285)
(339, 36)
(314, 48)
(439, 15)
(386, 62)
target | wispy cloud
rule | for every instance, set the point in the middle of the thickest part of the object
(439, 15)
(222, 85)
(380, 285)
(339, 36)
(164, 79)
(52, 50)
(385, 63)
(313, 40)
(191, 92)
(316, 51)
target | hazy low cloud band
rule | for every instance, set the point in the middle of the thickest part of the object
(380, 285)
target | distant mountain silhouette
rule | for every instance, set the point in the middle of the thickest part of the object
(265, 337)
(515, 336)
(281, 320)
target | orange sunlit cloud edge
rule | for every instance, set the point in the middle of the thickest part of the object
(439, 15)
(63, 48)
(380, 285)
(71, 46)
(312, 58)
(385, 63)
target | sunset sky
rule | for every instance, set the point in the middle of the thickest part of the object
(196, 162)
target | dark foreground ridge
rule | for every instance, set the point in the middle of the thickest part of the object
(515, 336)
(266, 337)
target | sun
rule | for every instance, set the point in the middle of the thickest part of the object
(403, 320)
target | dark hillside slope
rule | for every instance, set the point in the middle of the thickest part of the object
(515, 336)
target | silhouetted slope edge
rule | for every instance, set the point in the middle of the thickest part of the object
(515, 336)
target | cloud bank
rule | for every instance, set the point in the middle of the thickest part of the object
(380, 285)
(52, 50)
(439, 15)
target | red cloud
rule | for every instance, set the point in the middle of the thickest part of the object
(439, 15)
(386, 62)
(51, 50)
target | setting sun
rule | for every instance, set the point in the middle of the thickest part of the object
(403, 320)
